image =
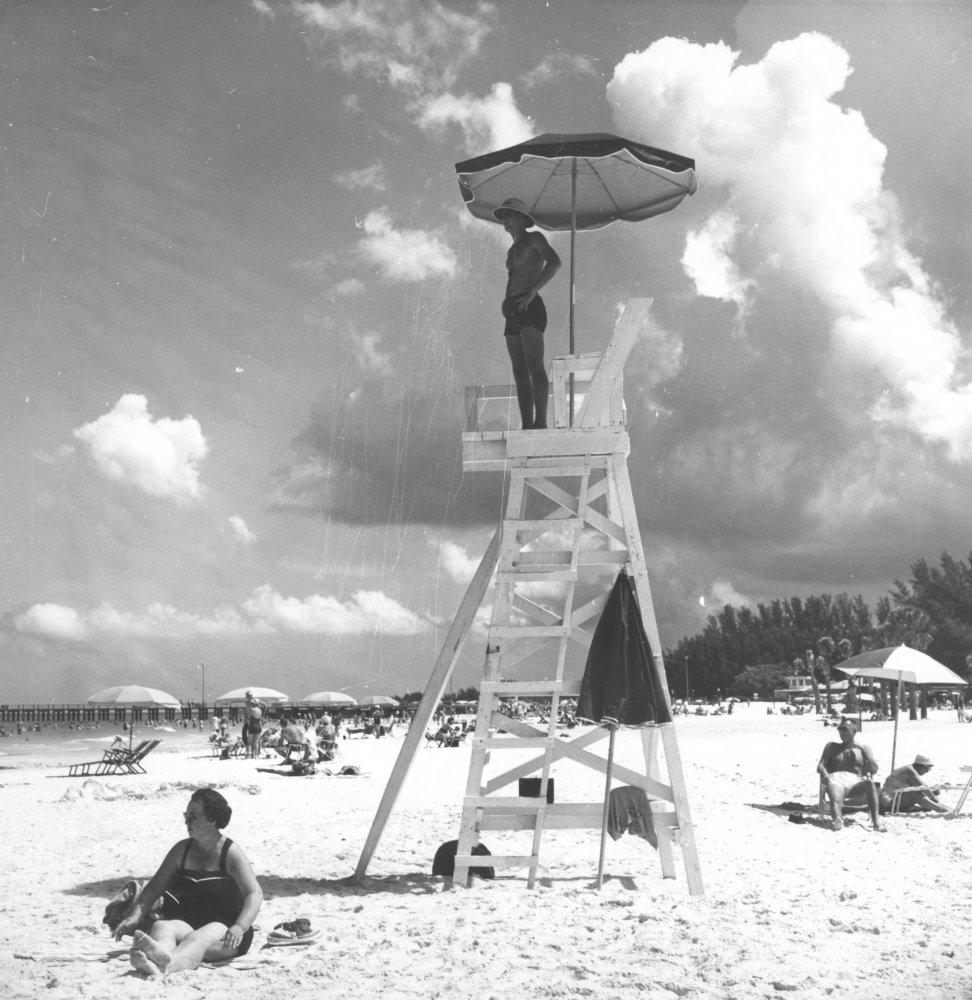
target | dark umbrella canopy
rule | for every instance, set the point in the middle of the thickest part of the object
(621, 682)
(615, 179)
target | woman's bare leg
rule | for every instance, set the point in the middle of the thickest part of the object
(203, 945)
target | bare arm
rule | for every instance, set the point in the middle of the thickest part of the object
(824, 760)
(870, 763)
(154, 888)
(239, 867)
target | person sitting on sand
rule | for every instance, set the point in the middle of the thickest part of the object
(924, 798)
(210, 897)
(847, 768)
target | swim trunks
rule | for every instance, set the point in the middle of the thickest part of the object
(535, 315)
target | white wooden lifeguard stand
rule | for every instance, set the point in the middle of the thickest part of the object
(553, 576)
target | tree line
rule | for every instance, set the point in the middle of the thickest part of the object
(745, 650)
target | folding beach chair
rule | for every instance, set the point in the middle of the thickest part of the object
(852, 802)
(967, 769)
(130, 763)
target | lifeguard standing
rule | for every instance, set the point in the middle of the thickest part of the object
(530, 263)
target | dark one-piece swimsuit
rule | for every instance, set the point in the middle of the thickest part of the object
(200, 898)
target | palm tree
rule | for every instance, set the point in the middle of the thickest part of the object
(813, 680)
(826, 645)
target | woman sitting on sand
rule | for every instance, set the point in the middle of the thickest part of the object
(210, 897)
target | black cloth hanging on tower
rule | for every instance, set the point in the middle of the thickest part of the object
(621, 683)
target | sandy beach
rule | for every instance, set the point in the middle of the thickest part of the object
(790, 910)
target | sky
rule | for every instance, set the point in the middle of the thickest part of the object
(241, 298)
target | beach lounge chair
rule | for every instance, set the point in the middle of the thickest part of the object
(967, 769)
(115, 761)
(852, 803)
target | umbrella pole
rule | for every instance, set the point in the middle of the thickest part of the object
(897, 712)
(573, 238)
(607, 801)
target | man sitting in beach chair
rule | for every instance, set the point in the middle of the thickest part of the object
(292, 743)
(846, 770)
(905, 791)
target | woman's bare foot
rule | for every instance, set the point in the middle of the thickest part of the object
(143, 964)
(151, 949)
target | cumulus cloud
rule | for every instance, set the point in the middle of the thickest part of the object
(367, 611)
(457, 562)
(489, 122)
(160, 457)
(52, 620)
(404, 254)
(804, 179)
(262, 7)
(412, 45)
(240, 530)
(563, 63)
(370, 178)
(708, 261)
(265, 612)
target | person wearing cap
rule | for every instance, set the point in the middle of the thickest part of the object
(847, 768)
(530, 263)
(919, 797)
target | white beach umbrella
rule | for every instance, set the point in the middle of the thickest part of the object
(134, 696)
(379, 700)
(336, 699)
(260, 693)
(903, 665)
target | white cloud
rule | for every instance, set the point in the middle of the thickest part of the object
(160, 457)
(265, 612)
(487, 122)
(563, 63)
(366, 612)
(350, 286)
(708, 262)
(805, 179)
(457, 562)
(371, 178)
(240, 530)
(367, 353)
(53, 620)
(413, 45)
(724, 593)
(404, 254)
(262, 7)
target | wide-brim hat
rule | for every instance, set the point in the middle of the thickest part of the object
(922, 761)
(513, 205)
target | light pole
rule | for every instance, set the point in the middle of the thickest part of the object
(686, 681)
(202, 667)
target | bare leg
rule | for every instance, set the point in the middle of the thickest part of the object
(531, 341)
(203, 945)
(159, 954)
(836, 794)
(521, 376)
(872, 806)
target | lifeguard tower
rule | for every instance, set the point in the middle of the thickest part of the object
(569, 528)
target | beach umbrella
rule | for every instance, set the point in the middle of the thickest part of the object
(572, 181)
(620, 686)
(901, 665)
(133, 696)
(334, 699)
(260, 693)
(379, 700)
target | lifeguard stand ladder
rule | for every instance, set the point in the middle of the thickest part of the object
(553, 576)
